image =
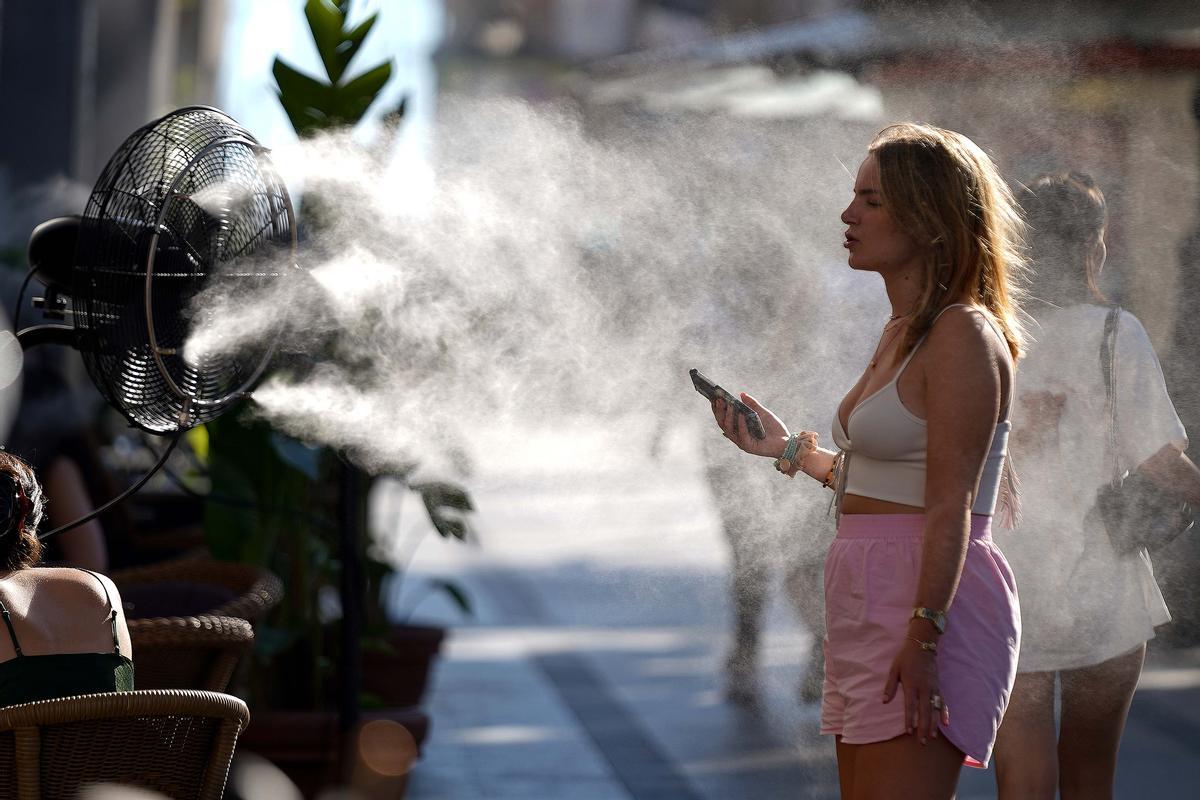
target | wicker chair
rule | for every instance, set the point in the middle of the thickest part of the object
(188, 652)
(249, 591)
(177, 743)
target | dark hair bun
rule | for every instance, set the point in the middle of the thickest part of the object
(10, 504)
(21, 506)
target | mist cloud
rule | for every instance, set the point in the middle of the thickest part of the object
(541, 270)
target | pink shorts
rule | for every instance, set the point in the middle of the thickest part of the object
(870, 582)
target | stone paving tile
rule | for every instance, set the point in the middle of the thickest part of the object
(1160, 751)
(500, 731)
(726, 751)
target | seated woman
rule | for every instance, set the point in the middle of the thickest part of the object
(66, 633)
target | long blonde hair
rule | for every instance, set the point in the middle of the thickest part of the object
(948, 195)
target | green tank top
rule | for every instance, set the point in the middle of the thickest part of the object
(25, 679)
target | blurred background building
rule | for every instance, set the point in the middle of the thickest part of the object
(80, 75)
(1101, 86)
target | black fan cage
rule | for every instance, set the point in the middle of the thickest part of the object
(190, 203)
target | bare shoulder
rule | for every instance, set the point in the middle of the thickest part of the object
(69, 585)
(966, 361)
(963, 347)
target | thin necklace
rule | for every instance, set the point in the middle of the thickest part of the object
(895, 333)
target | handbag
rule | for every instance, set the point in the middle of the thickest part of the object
(1135, 511)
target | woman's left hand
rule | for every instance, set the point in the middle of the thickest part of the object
(915, 670)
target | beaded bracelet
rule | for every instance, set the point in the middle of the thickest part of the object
(785, 462)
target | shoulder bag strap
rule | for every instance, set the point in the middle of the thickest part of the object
(1108, 364)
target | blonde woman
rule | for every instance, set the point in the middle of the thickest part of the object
(921, 609)
(1088, 607)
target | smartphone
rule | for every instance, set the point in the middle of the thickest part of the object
(712, 391)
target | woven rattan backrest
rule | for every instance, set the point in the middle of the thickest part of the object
(188, 652)
(257, 590)
(177, 743)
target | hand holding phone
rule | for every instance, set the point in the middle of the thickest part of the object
(712, 391)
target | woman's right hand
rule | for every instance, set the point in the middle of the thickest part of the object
(733, 426)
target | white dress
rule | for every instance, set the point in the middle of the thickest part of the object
(1081, 602)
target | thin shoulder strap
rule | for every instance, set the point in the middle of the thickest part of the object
(947, 308)
(112, 617)
(1108, 349)
(913, 352)
(1108, 364)
(12, 634)
(986, 317)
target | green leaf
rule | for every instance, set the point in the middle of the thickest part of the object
(354, 98)
(439, 496)
(325, 22)
(306, 121)
(440, 493)
(305, 99)
(456, 594)
(313, 106)
(351, 41)
(197, 439)
(449, 528)
(297, 88)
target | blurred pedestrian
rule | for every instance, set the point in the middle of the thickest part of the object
(1087, 606)
(774, 537)
(918, 600)
(763, 547)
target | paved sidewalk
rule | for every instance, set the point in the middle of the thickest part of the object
(592, 668)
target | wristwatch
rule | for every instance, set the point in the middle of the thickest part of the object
(938, 618)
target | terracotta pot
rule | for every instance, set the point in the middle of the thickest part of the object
(307, 747)
(400, 678)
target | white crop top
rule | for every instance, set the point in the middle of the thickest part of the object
(884, 450)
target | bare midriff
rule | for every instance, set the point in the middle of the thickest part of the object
(857, 504)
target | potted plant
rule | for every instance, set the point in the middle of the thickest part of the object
(398, 655)
(282, 504)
